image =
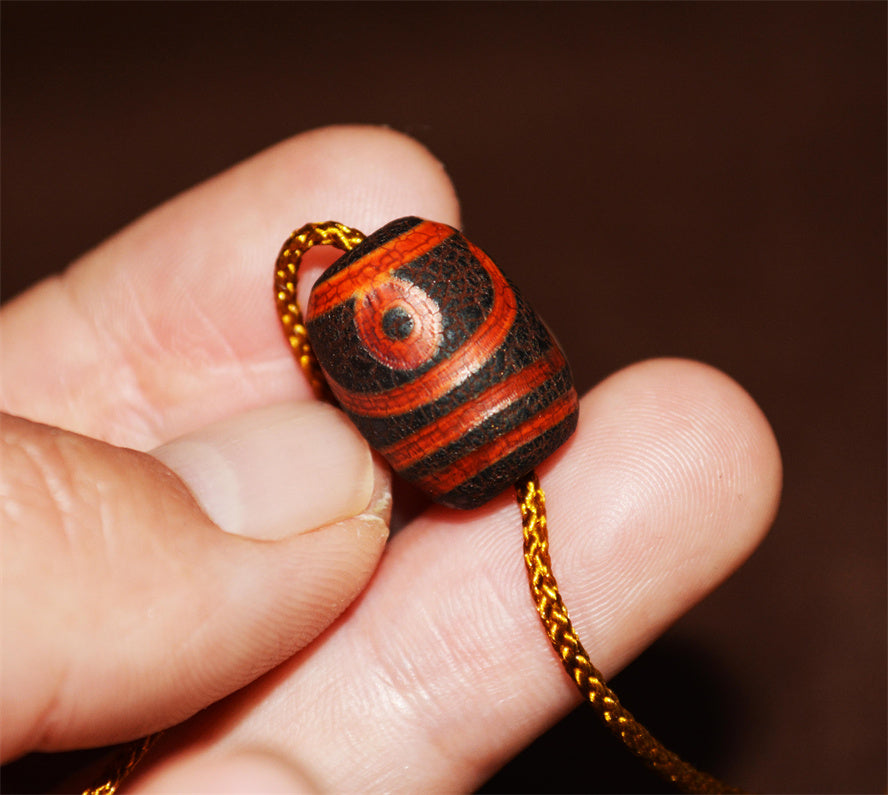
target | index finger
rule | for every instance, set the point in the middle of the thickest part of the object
(170, 324)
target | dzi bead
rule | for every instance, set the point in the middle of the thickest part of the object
(440, 362)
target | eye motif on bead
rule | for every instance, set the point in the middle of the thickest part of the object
(399, 324)
(439, 361)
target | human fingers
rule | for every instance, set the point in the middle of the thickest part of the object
(125, 606)
(441, 671)
(171, 323)
(243, 772)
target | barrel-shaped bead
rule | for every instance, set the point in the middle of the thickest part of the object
(440, 362)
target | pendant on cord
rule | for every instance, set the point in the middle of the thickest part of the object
(439, 361)
(451, 376)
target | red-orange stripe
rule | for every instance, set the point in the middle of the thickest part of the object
(466, 468)
(448, 373)
(448, 429)
(376, 265)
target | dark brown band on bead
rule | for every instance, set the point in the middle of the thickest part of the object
(426, 441)
(443, 481)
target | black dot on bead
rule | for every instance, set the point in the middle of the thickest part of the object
(397, 323)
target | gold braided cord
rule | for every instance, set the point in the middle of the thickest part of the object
(122, 766)
(286, 271)
(575, 659)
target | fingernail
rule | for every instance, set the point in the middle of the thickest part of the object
(276, 471)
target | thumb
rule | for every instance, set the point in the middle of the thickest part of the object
(125, 606)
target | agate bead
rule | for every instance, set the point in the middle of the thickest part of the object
(440, 362)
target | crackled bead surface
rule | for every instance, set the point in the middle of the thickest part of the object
(440, 362)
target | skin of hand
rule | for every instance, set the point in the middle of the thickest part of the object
(182, 520)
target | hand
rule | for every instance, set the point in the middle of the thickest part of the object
(213, 523)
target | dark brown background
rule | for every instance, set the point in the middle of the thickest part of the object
(719, 171)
